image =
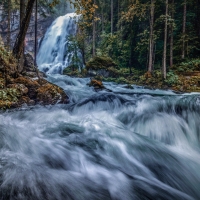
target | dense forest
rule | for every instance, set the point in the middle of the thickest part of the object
(142, 34)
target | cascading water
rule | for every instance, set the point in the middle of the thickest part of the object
(54, 54)
(126, 144)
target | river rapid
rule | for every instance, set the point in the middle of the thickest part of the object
(124, 144)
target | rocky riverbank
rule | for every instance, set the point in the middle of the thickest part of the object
(26, 88)
(184, 77)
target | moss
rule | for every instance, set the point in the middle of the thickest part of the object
(122, 80)
(96, 84)
(27, 82)
(5, 104)
(100, 63)
(16, 89)
(50, 94)
(9, 97)
(2, 83)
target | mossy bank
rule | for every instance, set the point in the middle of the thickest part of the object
(21, 84)
(184, 77)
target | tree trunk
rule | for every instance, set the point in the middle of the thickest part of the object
(184, 27)
(22, 15)
(165, 43)
(151, 36)
(9, 20)
(36, 11)
(172, 36)
(102, 17)
(111, 17)
(94, 35)
(18, 46)
(22, 11)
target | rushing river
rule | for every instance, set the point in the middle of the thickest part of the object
(124, 144)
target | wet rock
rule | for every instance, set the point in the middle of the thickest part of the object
(31, 84)
(96, 84)
(34, 74)
(129, 86)
(50, 94)
(28, 82)
(29, 63)
(25, 100)
(92, 72)
(10, 80)
(100, 63)
(22, 88)
(102, 66)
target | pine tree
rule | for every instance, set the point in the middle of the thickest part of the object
(151, 36)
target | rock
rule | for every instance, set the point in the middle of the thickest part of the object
(10, 80)
(100, 63)
(96, 84)
(102, 66)
(25, 100)
(22, 88)
(50, 94)
(92, 72)
(129, 86)
(5, 104)
(29, 63)
(34, 74)
(31, 84)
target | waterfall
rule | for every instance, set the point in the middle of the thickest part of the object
(54, 54)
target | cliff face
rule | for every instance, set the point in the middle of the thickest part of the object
(43, 24)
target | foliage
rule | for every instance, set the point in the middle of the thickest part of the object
(73, 49)
(188, 66)
(172, 79)
(100, 63)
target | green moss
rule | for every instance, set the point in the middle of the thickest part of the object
(100, 63)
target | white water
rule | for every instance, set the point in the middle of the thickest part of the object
(108, 145)
(53, 55)
(126, 144)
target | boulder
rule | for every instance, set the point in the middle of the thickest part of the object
(97, 63)
(96, 84)
(51, 94)
(29, 63)
(102, 66)
(31, 84)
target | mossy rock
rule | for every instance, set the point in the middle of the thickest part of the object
(100, 63)
(96, 84)
(50, 94)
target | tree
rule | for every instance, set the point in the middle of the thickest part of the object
(18, 46)
(184, 28)
(94, 34)
(151, 36)
(165, 42)
(36, 13)
(172, 33)
(111, 16)
(9, 19)
(22, 11)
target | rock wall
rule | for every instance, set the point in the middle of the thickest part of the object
(43, 24)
